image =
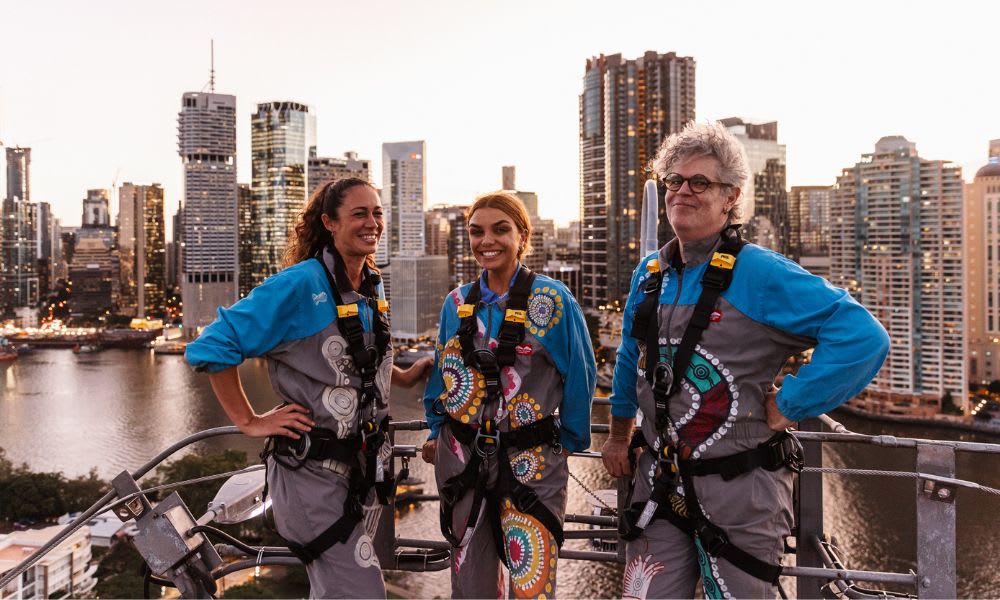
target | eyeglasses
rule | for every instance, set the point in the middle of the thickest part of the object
(698, 183)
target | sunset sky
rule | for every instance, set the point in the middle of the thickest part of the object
(94, 88)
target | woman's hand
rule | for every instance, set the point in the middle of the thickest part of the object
(418, 371)
(287, 420)
(429, 450)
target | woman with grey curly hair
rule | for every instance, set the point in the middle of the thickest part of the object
(709, 323)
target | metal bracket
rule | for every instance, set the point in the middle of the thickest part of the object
(937, 491)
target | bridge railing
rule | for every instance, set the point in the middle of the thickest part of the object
(817, 562)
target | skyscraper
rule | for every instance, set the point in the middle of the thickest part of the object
(627, 108)
(765, 197)
(19, 256)
(283, 137)
(95, 209)
(809, 227)
(404, 198)
(325, 168)
(982, 265)
(896, 245)
(447, 236)
(207, 145)
(246, 239)
(142, 250)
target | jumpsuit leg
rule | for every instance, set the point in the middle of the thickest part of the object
(755, 511)
(475, 568)
(306, 502)
(532, 554)
(661, 563)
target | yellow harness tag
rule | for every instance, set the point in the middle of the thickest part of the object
(347, 310)
(723, 261)
(653, 266)
(515, 316)
(383, 305)
(466, 310)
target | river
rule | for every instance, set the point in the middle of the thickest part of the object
(114, 410)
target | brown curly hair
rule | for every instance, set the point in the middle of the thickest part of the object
(310, 235)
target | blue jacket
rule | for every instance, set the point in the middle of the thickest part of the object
(555, 367)
(772, 309)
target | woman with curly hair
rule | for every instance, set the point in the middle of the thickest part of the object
(322, 324)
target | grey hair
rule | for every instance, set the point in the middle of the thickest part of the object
(706, 139)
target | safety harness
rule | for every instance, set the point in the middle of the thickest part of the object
(673, 463)
(484, 439)
(359, 452)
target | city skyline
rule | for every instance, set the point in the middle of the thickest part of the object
(833, 100)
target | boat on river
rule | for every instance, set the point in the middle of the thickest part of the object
(7, 350)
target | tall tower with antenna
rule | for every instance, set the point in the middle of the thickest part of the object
(206, 142)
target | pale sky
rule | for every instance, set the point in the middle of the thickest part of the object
(94, 87)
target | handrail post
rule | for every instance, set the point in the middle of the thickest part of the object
(935, 523)
(810, 514)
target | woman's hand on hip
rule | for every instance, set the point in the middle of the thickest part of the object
(288, 420)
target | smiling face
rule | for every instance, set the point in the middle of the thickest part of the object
(494, 238)
(359, 223)
(697, 216)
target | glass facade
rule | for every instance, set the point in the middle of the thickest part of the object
(282, 139)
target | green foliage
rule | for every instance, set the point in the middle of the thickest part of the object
(593, 325)
(249, 590)
(948, 406)
(118, 574)
(82, 492)
(26, 495)
(193, 466)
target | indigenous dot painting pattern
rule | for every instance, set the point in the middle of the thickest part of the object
(464, 387)
(714, 400)
(531, 554)
(545, 310)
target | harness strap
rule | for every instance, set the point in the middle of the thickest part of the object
(781, 450)
(475, 477)
(340, 531)
(512, 329)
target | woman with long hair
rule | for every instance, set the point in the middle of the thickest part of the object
(322, 324)
(513, 349)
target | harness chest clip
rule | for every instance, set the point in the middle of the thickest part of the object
(487, 440)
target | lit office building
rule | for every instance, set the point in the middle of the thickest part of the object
(142, 250)
(982, 270)
(324, 168)
(896, 244)
(18, 252)
(421, 283)
(765, 197)
(283, 136)
(626, 110)
(207, 145)
(447, 235)
(809, 227)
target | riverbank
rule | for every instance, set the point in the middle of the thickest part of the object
(937, 422)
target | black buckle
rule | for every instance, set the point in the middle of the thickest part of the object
(668, 460)
(713, 539)
(486, 363)
(524, 499)
(627, 528)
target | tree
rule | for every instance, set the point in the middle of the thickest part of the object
(118, 574)
(249, 590)
(948, 406)
(994, 386)
(26, 495)
(6, 467)
(80, 493)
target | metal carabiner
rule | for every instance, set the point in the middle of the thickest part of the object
(486, 444)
